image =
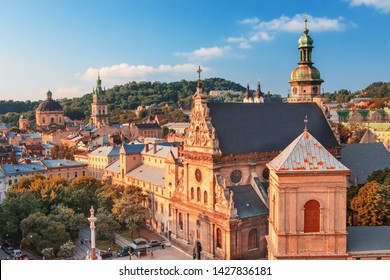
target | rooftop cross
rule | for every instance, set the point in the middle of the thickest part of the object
(305, 121)
(199, 71)
(305, 20)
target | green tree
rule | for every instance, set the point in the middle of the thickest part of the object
(66, 250)
(43, 231)
(372, 204)
(73, 222)
(128, 209)
(106, 227)
(15, 208)
(380, 176)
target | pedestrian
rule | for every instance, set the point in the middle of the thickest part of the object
(81, 242)
(138, 254)
(86, 240)
(151, 254)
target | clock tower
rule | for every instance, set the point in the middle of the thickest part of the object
(99, 114)
(305, 79)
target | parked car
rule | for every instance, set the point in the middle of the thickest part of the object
(105, 254)
(124, 251)
(140, 246)
(16, 253)
(8, 249)
(154, 243)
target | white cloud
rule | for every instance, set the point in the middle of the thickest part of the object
(253, 20)
(136, 72)
(244, 45)
(381, 5)
(295, 24)
(236, 39)
(206, 53)
(268, 30)
(69, 92)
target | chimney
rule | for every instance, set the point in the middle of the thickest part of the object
(146, 147)
(154, 148)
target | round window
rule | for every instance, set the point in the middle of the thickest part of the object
(198, 175)
(236, 176)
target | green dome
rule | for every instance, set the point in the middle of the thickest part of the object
(22, 116)
(305, 40)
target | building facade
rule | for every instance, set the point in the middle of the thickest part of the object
(49, 114)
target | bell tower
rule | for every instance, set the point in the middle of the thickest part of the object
(99, 114)
(305, 79)
(307, 198)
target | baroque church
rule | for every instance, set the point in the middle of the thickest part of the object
(49, 114)
(251, 181)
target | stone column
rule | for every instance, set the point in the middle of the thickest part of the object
(92, 219)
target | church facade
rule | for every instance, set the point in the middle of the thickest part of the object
(49, 114)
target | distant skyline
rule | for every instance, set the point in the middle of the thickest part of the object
(61, 45)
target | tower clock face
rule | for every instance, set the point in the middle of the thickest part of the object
(198, 175)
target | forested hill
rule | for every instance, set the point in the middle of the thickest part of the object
(130, 95)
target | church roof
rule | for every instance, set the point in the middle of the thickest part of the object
(363, 159)
(368, 137)
(305, 153)
(368, 240)
(49, 104)
(258, 127)
(247, 202)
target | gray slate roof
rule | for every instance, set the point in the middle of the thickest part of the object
(247, 202)
(22, 168)
(368, 239)
(61, 163)
(364, 158)
(149, 174)
(259, 127)
(133, 148)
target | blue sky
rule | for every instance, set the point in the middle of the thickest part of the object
(61, 45)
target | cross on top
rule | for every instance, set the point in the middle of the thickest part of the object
(306, 121)
(199, 71)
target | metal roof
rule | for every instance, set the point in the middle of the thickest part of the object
(61, 163)
(161, 151)
(148, 174)
(365, 240)
(22, 168)
(365, 158)
(114, 167)
(247, 202)
(106, 151)
(305, 153)
(133, 148)
(259, 127)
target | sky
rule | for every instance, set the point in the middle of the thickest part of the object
(62, 45)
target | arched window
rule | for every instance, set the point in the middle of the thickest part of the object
(312, 216)
(252, 239)
(205, 198)
(180, 221)
(219, 238)
(198, 194)
(43, 120)
(52, 120)
(266, 173)
(192, 193)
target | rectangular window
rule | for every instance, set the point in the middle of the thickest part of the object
(75, 174)
(83, 173)
(68, 175)
(59, 175)
(10, 182)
